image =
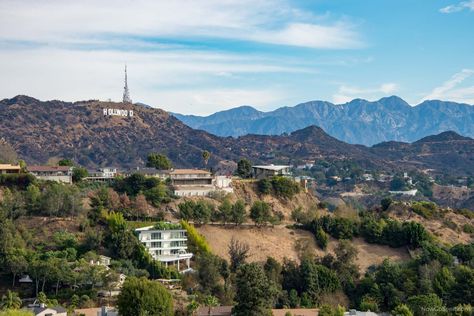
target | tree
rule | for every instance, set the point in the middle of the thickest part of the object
(158, 161)
(328, 310)
(79, 173)
(260, 212)
(66, 162)
(322, 238)
(238, 253)
(255, 293)
(425, 305)
(32, 198)
(385, 203)
(225, 210)
(205, 156)
(140, 297)
(238, 212)
(210, 301)
(192, 307)
(16, 263)
(397, 184)
(10, 300)
(208, 273)
(142, 209)
(244, 168)
(402, 310)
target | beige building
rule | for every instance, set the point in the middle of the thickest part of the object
(52, 173)
(9, 169)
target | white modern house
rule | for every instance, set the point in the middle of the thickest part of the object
(268, 171)
(167, 243)
(102, 174)
(52, 173)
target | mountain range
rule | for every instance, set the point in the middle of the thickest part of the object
(356, 122)
(40, 131)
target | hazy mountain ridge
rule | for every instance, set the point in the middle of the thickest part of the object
(356, 122)
(40, 130)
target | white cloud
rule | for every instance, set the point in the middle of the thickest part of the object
(450, 89)
(347, 93)
(265, 21)
(469, 5)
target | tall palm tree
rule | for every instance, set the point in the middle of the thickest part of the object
(10, 300)
(206, 155)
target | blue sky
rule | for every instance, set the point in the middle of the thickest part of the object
(199, 57)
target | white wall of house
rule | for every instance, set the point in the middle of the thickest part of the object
(57, 178)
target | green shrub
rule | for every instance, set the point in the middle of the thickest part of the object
(196, 242)
(468, 228)
(20, 181)
(425, 209)
(322, 238)
(281, 187)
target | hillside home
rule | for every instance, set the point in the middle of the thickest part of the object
(52, 173)
(407, 193)
(148, 172)
(195, 182)
(9, 169)
(167, 243)
(43, 310)
(102, 174)
(268, 171)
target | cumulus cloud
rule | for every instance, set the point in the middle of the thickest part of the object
(464, 5)
(347, 93)
(451, 90)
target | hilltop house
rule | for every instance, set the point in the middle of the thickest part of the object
(43, 310)
(52, 173)
(9, 169)
(268, 171)
(166, 242)
(102, 174)
(148, 172)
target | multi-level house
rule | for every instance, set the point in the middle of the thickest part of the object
(102, 174)
(52, 173)
(167, 243)
(192, 182)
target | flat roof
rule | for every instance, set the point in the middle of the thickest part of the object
(271, 167)
(9, 167)
(48, 168)
(189, 171)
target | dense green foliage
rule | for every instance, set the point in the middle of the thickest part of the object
(143, 297)
(279, 186)
(260, 213)
(381, 231)
(244, 169)
(196, 242)
(254, 293)
(199, 212)
(158, 161)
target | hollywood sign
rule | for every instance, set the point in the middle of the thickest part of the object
(118, 112)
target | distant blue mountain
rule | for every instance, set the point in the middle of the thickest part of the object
(357, 122)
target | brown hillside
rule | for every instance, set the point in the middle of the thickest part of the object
(40, 130)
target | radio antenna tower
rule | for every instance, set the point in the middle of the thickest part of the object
(126, 93)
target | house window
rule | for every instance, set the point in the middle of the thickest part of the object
(155, 235)
(156, 244)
